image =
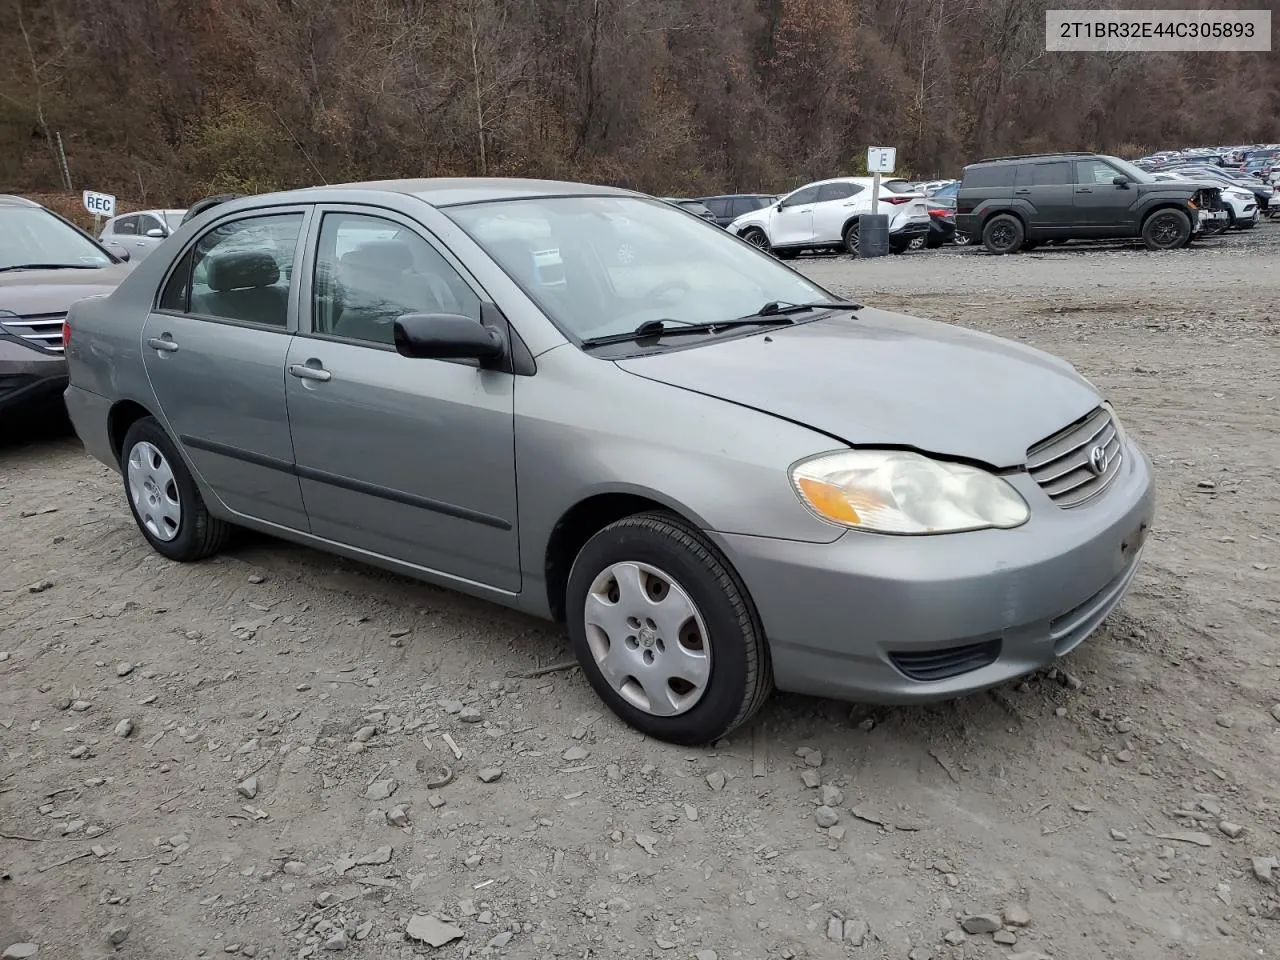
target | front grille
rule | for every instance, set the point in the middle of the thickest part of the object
(1066, 464)
(933, 665)
(42, 329)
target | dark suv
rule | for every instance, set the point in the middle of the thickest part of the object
(1015, 203)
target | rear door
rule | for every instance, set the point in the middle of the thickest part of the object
(1048, 191)
(214, 349)
(410, 459)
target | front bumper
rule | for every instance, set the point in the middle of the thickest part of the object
(28, 375)
(885, 619)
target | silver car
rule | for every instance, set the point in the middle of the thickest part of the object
(141, 232)
(722, 477)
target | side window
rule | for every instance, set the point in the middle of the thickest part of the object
(1053, 173)
(992, 175)
(741, 205)
(1094, 172)
(370, 271)
(801, 197)
(834, 191)
(718, 206)
(240, 270)
(126, 227)
(174, 296)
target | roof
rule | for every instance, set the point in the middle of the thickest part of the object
(1038, 156)
(10, 200)
(451, 191)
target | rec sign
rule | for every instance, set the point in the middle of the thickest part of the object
(100, 204)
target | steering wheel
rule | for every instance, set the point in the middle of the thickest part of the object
(666, 288)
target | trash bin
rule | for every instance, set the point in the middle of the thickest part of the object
(873, 235)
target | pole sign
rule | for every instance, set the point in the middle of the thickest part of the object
(100, 204)
(881, 159)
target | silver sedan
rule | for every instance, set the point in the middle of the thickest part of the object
(593, 406)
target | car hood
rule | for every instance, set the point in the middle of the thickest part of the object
(874, 378)
(28, 292)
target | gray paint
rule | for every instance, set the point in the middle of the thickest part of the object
(708, 431)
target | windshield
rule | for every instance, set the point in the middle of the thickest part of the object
(1136, 174)
(34, 235)
(604, 265)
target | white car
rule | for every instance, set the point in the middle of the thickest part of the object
(1241, 204)
(142, 231)
(824, 216)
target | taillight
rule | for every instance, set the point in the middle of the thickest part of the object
(66, 334)
(896, 200)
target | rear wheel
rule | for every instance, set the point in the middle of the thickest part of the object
(164, 498)
(665, 631)
(851, 239)
(1003, 234)
(1166, 229)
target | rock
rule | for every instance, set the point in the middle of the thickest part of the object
(40, 586)
(502, 939)
(365, 734)
(813, 758)
(1119, 835)
(434, 933)
(124, 668)
(1124, 756)
(398, 817)
(811, 778)
(1016, 915)
(470, 715)
(256, 578)
(706, 955)
(489, 775)
(613, 772)
(575, 754)
(1232, 830)
(80, 706)
(117, 935)
(836, 833)
(451, 707)
(920, 953)
(124, 728)
(835, 929)
(380, 789)
(80, 752)
(1263, 868)
(981, 923)
(295, 868)
(337, 942)
(825, 817)
(1224, 721)
(717, 780)
(1124, 726)
(646, 841)
(376, 858)
(20, 951)
(690, 811)
(831, 796)
(248, 788)
(1005, 937)
(856, 932)
(954, 938)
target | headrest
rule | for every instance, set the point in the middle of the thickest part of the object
(242, 270)
(381, 255)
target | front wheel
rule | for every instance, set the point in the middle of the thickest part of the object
(756, 237)
(665, 631)
(1166, 229)
(164, 498)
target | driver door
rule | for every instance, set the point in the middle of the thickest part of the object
(834, 206)
(793, 224)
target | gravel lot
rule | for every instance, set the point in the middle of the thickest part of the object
(243, 756)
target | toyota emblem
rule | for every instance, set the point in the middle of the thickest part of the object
(1098, 460)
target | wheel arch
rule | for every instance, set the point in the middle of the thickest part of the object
(1159, 205)
(123, 415)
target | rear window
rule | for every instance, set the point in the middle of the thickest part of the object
(992, 175)
(898, 186)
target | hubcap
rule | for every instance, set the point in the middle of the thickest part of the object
(758, 239)
(154, 491)
(648, 639)
(1002, 236)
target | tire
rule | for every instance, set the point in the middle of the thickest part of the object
(932, 243)
(851, 239)
(897, 248)
(711, 609)
(1003, 234)
(1166, 229)
(1246, 224)
(786, 254)
(163, 497)
(757, 238)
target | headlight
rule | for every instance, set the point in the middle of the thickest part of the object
(892, 491)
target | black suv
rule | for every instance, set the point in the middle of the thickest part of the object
(1015, 203)
(729, 208)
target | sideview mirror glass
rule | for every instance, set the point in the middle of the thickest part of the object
(117, 250)
(156, 233)
(1120, 181)
(447, 336)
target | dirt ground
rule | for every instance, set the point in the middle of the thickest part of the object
(277, 794)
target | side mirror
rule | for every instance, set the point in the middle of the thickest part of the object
(117, 250)
(1121, 182)
(447, 336)
(156, 233)
(781, 204)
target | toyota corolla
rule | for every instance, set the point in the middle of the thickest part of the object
(722, 477)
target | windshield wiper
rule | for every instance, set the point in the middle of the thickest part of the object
(652, 329)
(776, 308)
(52, 266)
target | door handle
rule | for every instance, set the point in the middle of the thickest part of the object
(1022, 193)
(304, 372)
(1084, 190)
(164, 343)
